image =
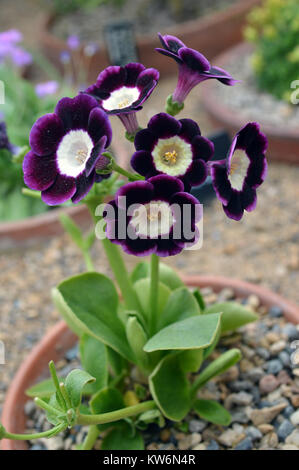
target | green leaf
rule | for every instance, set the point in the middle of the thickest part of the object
(94, 359)
(200, 300)
(167, 275)
(170, 388)
(72, 229)
(117, 362)
(44, 389)
(191, 360)
(90, 301)
(234, 315)
(123, 437)
(75, 383)
(213, 412)
(142, 288)
(181, 304)
(137, 338)
(106, 400)
(193, 333)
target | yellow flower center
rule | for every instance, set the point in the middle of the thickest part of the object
(123, 104)
(170, 157)
(81, 156)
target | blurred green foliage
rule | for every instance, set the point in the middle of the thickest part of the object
(274, 30)
(67, 6)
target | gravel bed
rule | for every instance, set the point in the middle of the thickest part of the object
(254, 104)
(147, 16)
(261, 393)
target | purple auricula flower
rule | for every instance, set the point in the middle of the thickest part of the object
(153, 216)
(194, 67)
(46, 88)
(4, 140)
(173, 147)
(123, 90)
(235, 179)
(11, 36)
(66, 146)
(73, 42)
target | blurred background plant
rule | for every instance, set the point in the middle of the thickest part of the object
(67, 6)
(273, 28)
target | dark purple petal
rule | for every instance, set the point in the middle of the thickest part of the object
(248, 198)
(39, 172)
(234, 209)
(139, 192)
(95, 92)
(133, 70)
(46, 134)
(251, 139)
(197, 173)
(163, 125)
(185, 199)
(74, 112)
(202, 148)
(99, 126)
(167, 248)
(257, 171)
(145, 140)
(194, 59)
(142, 162)
(83, 185)
(63, 189)
(171, 42)
(95, 155)
(111, 79)
(170, 54)
(148, 77)
(222, 75)
(165, 186)
(221, 183)
(189, 129)
(139, 247)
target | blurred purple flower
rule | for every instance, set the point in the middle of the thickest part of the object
(20, 57)
(90, 49)
(73, 42)
(9, 49)
(11, 36)
(46, 88)
(65, 57)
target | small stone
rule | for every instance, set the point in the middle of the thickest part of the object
(277, 347)
(268, 383)
(226, 294)
(289, 447)
(253, 301)
(230, 375)
(284, 357)
(265, 428)
(294, 418)
(238, 415)
(30, 408)
(55, 443)
(291, 331)
(275, 311)
(274, 366)
(245, 365)
(270, 440)
(201, 447)
(272, 337)
(195, 439)
(293, 438)
(263, 353)
(231, 437)
(266, 415)
(240, 385)
(255, 374)
(165, 435)
(284, 429)
(197, 425)
(254, 433)
(241, 398)
(37, 447)
(295, 400)
(185, 443)
(72, 353)
(213, 445)
(288, 411)
(246, 444)
(284, 378)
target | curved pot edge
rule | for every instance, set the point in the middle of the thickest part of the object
(60, 333)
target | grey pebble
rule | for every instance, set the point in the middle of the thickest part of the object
(254, 433)
(246, 444)
(291, 331)
(263, 353)
(37, 447)
(284, 357)
(275, 311)
(72, 353)
(274, 366)
(284, 430)
(213, 445)
(197, 425)
(254, 374)
(240, 385)
(238, 415)
(30, 408)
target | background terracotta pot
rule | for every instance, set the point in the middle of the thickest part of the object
(283, 141)
(60, 339)
(211, 34)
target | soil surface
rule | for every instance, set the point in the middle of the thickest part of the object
(147, 16)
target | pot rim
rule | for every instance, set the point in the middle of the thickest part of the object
(15, 397)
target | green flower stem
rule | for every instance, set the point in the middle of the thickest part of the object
(220, 365)
(88, 260)
(45, 406)
(56, 383)
(116, 415)
(29, 192)
(154, 290)
(90, 439)
(117, 265)
(30, 437)
(127, 174)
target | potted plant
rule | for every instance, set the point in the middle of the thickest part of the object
(269, 66)
(147, 352)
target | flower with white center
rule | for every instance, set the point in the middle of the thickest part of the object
(66, 147)
(194, 67)
(122, 91)
(148, 217)
(172, 147)
(235, 179)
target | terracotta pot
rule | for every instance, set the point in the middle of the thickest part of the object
(198, 34)
(59, 339)
(283, 141)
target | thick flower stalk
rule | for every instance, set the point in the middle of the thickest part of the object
(153, 217)
(236, 179)
(122, 91)
(66, 147)
(194, 68)
(171, 147)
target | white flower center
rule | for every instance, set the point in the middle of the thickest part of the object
(172, 156)
(238, 169)
(73, 152)
(153, 219)
(121, 98)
